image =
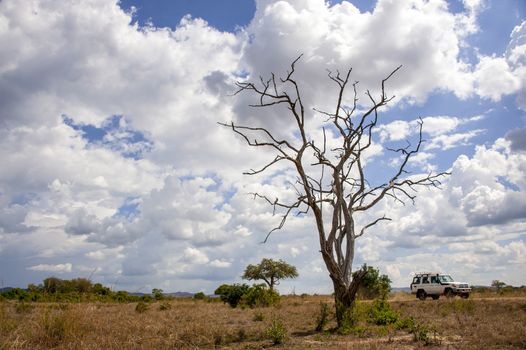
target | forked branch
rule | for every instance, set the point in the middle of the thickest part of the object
(334, 187)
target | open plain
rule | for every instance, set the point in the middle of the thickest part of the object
(485, 321)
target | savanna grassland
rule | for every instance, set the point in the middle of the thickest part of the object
(485, 321)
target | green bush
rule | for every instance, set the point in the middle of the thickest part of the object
(231, 293)
(350, 317)
(200, 296)
(259, 296)
(373, 285)
(121, 296)
(165, 306)
(276, 331)
(421, 332)
(381, 313)
(76, 290)
(406, 323)
(146, 298)
(16, 294)
(157, 294)
(99, 289)
(323, 317)
(141, 307)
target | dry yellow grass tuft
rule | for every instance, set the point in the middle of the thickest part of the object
(487, 322)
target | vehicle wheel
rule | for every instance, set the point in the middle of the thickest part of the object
(465, 296)
(435, 297)
(449, 293)
(421, 295)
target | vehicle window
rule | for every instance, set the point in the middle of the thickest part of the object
(416, 280)
(445, 278)
(434, 279)
(425, 279)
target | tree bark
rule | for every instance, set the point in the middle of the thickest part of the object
(345, 297)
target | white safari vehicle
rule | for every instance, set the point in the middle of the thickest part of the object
(434, 284)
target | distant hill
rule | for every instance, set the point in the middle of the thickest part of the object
(5, 289)
(173, 295)
(180, 294)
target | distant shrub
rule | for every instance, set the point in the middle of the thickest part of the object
(231, 293)
(16, 294)
(259, 295)
(200, 296)
(121, 296)
(99, 289)
(141, 307)
(165, 306)
(323, 317)
(276, 331)
(157, 294)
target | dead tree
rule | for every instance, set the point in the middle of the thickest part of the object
(333, 187)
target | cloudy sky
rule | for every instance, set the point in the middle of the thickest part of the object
(113, 166)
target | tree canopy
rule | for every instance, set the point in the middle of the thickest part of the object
(270, 271)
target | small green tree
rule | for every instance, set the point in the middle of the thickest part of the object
(200, 296)
(157, 294)
(373, 285)
(498, 284)
(270, 271)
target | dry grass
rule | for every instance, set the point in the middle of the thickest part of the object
(481, 322)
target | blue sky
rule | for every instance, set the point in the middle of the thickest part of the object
(224, 15)
(115, 167)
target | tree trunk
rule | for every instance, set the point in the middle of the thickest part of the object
(344, 298)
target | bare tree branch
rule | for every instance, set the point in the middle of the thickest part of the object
(337, 177)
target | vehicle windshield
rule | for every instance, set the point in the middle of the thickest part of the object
(445, 278)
